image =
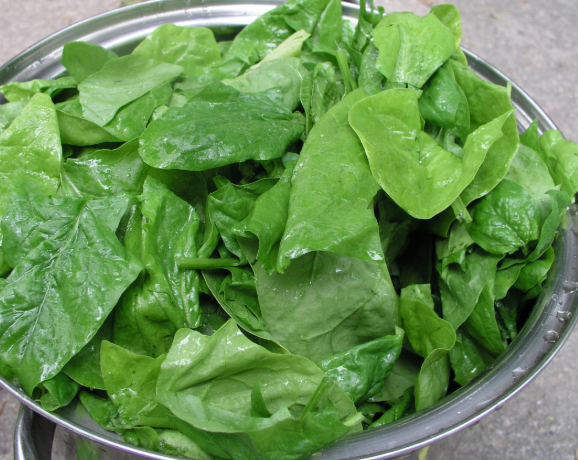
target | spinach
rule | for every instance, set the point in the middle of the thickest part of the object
(249, 249)
(66, 253)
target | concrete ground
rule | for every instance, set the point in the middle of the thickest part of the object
(533, 42)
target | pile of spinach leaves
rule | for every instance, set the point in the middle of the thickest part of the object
(249, 249)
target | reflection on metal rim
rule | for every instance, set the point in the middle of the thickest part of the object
(528, 354)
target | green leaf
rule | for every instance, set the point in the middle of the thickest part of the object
(468, 359)
(165, 298)
(130, 381)
(403, 376)
(67, 252)
(105, 172)
(267, 220)
(444, 103)
(360, 370)
(562, 159)
(461, 285)
(84, 367)
(333, 197)
(390, 127)
(203, 135)
(269, 30)
(450, 17)
(30, 148)
(208, 383)
(8, 112)
(396, 411)
(82, 59)
(22, 92)
(232, 204)
(177, 444)
(57, 392)
(411, 47)
(482, 324)
(279, 79)
(505, 220)
(193, 48)
(488, 102)
(294, 305)
(119, 82)
(432, 338)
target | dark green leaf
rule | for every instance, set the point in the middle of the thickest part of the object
(358, 371)
(67, 252)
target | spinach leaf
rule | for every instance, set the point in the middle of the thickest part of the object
(390, 127)
(269, 30)
(432, 338)
(127, 124)
(66, 252)
(105, 173)
(76, 130)
(334, 196)
(561, 157)
(203, 135)
(397, 410)
(22, 92)
(294, 305)
(505, 220)
(166, 297)
(82, 59)
(461, 285)
(84, 367)
(411, 47)
(29, 149)
(370, 79)
(8, 112)
(267, 220)
(488, 102)
(403, 376)
(450, 17)
(468, 358)
(232, 204)
(279, 79)
(130, 381)
(444, 103)
(193, 48)
(57, 392)
(243, 308)
(119, 82)
(176, 443)
(360, 371)
(482, 324)
(327, 32)
(217, 384)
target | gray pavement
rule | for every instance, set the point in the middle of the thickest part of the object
(533, 42)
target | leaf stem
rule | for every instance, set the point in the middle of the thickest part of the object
(460, 211)
(191, 263)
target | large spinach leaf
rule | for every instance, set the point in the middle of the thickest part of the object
(207, 134)
(390, 127)
(326, 303)
(332, 190)
(238, 399)
(54, 301)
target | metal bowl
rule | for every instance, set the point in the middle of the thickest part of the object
(547, 328)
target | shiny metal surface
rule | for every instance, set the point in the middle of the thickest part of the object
(537, 343)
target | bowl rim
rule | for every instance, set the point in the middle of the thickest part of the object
(536, 344)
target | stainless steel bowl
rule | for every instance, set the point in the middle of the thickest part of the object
(548, 326)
